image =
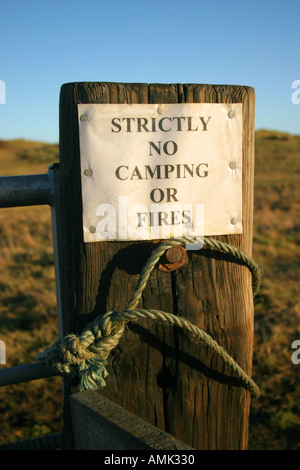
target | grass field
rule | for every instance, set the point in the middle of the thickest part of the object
(275, 417)
(28, 318)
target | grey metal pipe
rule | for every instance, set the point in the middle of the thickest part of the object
(26, 190)
(25, 373)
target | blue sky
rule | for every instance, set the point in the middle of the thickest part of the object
(44, 44)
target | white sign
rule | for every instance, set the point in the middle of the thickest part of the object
(157, 171)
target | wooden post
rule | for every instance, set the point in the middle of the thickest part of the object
(158, 373)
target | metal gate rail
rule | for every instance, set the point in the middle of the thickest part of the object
(33, 190)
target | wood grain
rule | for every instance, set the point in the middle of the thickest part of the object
(100, 424)
(156, 373)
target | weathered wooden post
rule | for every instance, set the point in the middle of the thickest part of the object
(159, 373)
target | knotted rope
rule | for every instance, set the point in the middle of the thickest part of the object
(85, 356)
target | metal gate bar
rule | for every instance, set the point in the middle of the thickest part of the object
(32, 190)
(26, 372)
(26, 190)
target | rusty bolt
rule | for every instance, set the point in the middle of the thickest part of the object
(174, 259)
(174, 255)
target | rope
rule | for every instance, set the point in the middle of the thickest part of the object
(85, 356)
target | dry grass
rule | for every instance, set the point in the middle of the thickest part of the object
(28, 317)
(275, 417)
(28, 320)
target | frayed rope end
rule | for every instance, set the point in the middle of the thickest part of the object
(94, 375)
